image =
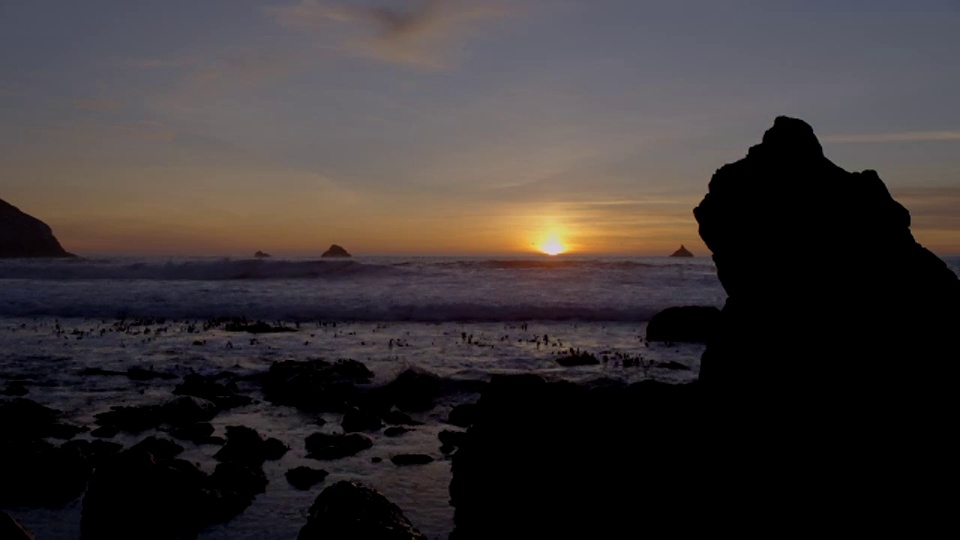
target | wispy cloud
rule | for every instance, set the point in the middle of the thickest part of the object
(101, 105)
(908, 136)
(425, 34)
(157, 63)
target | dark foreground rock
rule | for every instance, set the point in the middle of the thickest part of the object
(37, 473)
(315, 385)
(179, 411)
(349, 510)
(561, 460)
(136, 494)
(305, 477)
(12, 529)
(244, 445)
(327, 446)
(22, 235)
(835, 356)
(691, 324)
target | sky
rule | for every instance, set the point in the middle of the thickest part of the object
(453, 126)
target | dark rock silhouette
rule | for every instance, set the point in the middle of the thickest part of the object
(304, 478)
(335, 251)
(887, 300)
(22, 235)
(356, 419)
(826, 392)
(136, 494)
(561, 460)
(261, 255)
(349, 510)
(12, 529)
(682, 252)
(315, 385)
(836, 362)
(692, 324)
(327, 446)
(245, 446)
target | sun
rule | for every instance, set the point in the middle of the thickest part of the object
(552, 245)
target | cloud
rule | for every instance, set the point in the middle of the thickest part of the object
(909, 136)
(157, 63)
(424, 35)
(101, 105)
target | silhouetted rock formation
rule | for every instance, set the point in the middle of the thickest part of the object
(261, 255)
(682, 252)
(561, 460)
(145, 493)
(22, 235)
(692, 324)
(349, 510)
(335, 251)
(836, 353)
(12, 529)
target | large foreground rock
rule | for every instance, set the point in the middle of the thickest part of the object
(22, 235)
(835, 359)
(846, 275)
(691, 324)
(348, 510)
(559, 460)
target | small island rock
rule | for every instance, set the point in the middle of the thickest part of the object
(336, 251)
(682, 252)
(261, 255)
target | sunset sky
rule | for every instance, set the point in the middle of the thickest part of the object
(228, 126)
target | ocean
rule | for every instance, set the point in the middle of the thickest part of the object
(463, 319)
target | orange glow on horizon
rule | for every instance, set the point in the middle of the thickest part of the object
(552, 245)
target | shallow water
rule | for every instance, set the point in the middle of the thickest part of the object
(51, 371)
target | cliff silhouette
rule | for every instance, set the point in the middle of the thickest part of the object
(22, 235)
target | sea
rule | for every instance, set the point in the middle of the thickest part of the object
(461, 318)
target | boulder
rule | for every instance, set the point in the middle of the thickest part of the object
(244, 445)
(224, 396)
(835, 354)
(12, 529)
(360, 420)
(691, 324)
(315, 385)
(36, 473)
(682, 252)
(412, 391)
(135, 494)
(22, 235)
(847, 271)
(326, 446)
(335, 251)
(561, 460)
(304, 478)
(350, 510)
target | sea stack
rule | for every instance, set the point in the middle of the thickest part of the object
(835, 356)
(335, 251)
(23, 236)
(682, 252)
